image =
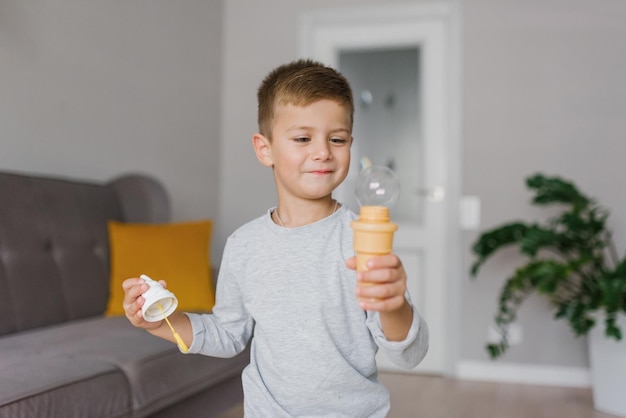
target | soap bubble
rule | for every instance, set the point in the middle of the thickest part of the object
(377, 185)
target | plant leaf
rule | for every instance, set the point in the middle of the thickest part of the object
(620, 270)
(491, 241)
(577, 314)
(555, 190)
(612, 330)
(546, 275)
(537, 238)
(613, 289)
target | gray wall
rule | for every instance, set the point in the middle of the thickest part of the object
(249, 27)
(94, 89)
(543, 91)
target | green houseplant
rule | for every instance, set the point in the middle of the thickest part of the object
(570, 258)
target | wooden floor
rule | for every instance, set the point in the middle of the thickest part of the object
(437, 397)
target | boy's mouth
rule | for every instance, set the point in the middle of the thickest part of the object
(320, 172)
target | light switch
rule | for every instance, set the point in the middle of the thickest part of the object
(470, 213)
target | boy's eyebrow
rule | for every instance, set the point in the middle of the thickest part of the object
(308, 128)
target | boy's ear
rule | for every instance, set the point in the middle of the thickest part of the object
(262, 149)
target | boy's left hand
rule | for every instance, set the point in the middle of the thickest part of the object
(382, 287)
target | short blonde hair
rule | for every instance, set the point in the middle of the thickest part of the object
(301, 83)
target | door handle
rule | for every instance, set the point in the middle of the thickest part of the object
(434, 194)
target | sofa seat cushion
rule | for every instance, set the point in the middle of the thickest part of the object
(60, 385)
(156, 371)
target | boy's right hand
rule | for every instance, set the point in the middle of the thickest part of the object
(133, 301)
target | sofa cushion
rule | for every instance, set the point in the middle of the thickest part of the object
(178, 253)
(54, 263)
(157, 373)
(59, 385)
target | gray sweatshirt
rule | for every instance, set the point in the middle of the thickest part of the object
(313, 350)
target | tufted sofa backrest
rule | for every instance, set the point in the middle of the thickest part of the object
(54, 247)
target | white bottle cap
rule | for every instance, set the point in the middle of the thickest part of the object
(157, 295)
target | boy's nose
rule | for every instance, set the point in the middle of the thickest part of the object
(322, 151)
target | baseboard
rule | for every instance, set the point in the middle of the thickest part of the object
(524, 373)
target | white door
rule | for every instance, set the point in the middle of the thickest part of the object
(411, 135)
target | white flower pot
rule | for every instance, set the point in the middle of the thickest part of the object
(608, 368)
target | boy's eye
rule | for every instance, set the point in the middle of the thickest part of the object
(339, 141)
(301, 139)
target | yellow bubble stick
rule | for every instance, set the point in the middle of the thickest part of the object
(179, 340)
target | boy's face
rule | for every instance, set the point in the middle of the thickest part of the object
(309, 150)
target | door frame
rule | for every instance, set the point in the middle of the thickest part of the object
(433, 27)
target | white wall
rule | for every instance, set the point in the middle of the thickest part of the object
(93, 89)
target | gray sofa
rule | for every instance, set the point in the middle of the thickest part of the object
(59, 355)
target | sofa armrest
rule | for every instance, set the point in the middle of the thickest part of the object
(142, 198)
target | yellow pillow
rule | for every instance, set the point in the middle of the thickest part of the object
(176, 252)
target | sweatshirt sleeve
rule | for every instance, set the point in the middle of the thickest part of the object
(226, 331)
(409, 352)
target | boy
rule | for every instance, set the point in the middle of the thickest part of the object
(289, 277)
